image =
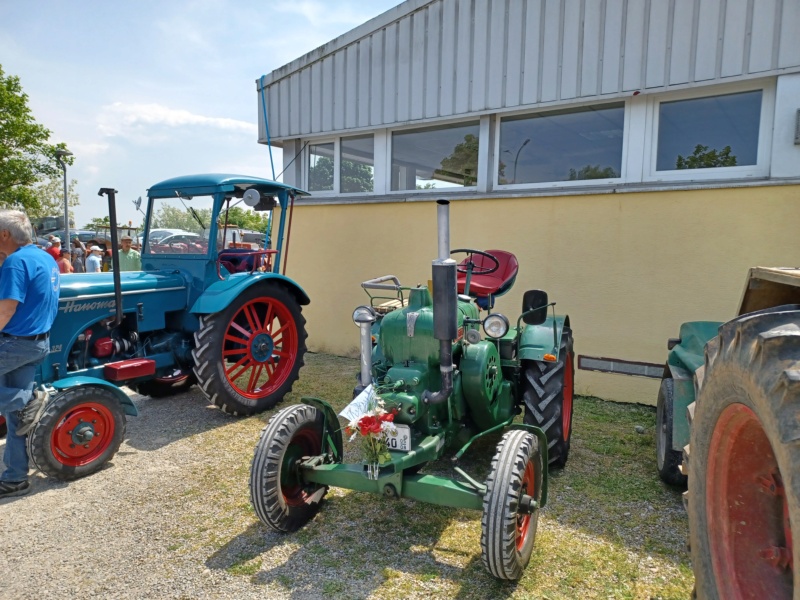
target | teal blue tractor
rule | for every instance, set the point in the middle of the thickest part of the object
(200, 312)
(431, 383)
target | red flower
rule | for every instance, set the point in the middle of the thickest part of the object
(369, 424)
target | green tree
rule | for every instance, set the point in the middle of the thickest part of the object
(26, 157)
(462, 165)
(355, 176)
(173, 217)
(703, 158)
(241, 218)
(51, 198)
(592, 172)
(320, 174)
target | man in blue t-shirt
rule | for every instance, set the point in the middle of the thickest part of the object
(29, 285)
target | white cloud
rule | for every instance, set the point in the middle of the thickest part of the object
(320, 14)
(120, 119)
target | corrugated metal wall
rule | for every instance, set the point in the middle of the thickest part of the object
(446, 58)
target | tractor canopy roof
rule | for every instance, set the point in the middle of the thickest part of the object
(212, 183)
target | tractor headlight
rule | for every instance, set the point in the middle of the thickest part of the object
(364, 314)
(495, 326)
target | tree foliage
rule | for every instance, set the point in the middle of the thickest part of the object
(320, 174)
(26, 158)
(462, 165)
(174, 217)
(355, 176)
(592, 172)
(51, 198)
(241, 218)
(703, 158)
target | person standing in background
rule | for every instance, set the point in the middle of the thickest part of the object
(29, 288)
(94, 262)
(54, 249)
(64, 263)
(129, 259)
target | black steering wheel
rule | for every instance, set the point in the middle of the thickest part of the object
(471, 267)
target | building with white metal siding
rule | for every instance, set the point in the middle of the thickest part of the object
(674, 124)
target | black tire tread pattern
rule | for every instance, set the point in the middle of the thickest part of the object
(207, 354)
(669, 470)
(543, 397)
(39, 437)
(500, 504)
(755, 361)
(265, 470)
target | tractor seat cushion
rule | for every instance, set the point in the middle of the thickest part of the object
(239, 259)
(492, 284)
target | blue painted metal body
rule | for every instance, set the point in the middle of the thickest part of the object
(161, 304)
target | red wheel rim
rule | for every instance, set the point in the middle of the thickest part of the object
(524, 519)
(566, 407)
(746, 509)
(306, 442)
(260, 347)
(83, 434)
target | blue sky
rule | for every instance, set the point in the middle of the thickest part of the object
(147, 90)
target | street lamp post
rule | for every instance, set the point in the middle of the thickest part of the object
(60, 154)
(516, 158)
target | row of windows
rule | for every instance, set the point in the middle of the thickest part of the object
(684, 138)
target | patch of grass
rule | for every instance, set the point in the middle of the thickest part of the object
(610, 529)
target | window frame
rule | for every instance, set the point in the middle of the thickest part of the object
(336, 162)
(763, 151)
(559, 184)
(337, 180)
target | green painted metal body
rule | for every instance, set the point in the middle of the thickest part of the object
(538, 340)
(682, 361)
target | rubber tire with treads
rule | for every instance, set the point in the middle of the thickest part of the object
(56, 453)
(279, 497)
(668, 460)
(507, 536)
(210, 368)
(163, 387)
(548, 401)
(743, 459)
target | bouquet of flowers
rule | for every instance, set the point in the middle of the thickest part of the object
(374, 426)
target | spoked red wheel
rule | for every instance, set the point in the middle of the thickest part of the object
(248, 356)
(511, 505)
(260, 347)
(566, 411)
(747, 512)
(278, 492)
(80, 430)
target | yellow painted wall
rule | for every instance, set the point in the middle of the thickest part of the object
(627, 268)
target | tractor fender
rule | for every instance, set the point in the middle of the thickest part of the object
(71, 382)
(333, 431)
(538, 340)
(220, 294)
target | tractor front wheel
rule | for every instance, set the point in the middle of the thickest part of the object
(511, 505)
(547, 392)
(743, 459)
(278, 493)
(79, 431)
(248, 356)
(667, 459)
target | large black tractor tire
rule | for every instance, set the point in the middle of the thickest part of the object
(79, 431)
(3, 427)
(162, 387)
(547, 392)
(278, 493)
(248, 356)
(668, 461)
(508, 532)
(744, 460)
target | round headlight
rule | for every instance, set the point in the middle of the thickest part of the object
(495, 326)
(364, 314)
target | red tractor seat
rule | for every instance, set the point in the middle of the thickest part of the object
(492, 284)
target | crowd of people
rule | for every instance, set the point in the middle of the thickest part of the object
(88, 258)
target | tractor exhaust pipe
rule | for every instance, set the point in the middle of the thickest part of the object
(445, 306)
(112, 214)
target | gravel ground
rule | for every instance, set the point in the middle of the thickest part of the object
(169, 517)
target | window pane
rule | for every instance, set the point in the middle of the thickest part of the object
(357, 173)
(435, 157)
(320, 167)
(564, 145)
(719, 131)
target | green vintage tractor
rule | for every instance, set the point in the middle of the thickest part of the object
(445, 386)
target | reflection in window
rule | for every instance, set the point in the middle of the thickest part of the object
(179, 225)
(320, 167)
(357, 173)
(563, 145)
(701, 133)
(435, 157)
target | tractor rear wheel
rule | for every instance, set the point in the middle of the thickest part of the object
(176, 382)
(278, 493)
(667, 459)
(3, 427)
(79, 431)
(743, 459)
(247, 357)
(547, 391)
(508, 528)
